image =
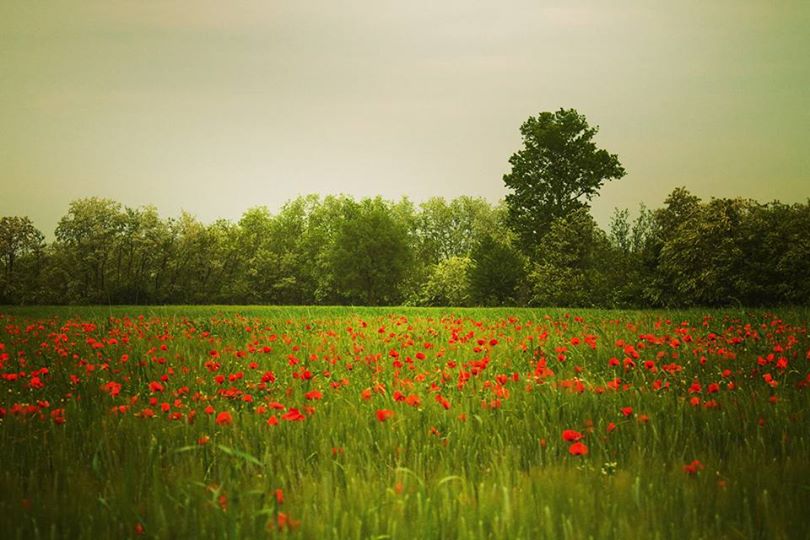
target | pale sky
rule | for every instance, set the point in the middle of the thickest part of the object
(216, 107)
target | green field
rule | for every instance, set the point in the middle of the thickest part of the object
(179, 422)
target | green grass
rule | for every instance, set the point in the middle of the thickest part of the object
(466, 472)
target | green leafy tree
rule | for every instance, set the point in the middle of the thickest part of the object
(571, 267)
(629, 274)
(448, 283)
(679, 207)
(497, 274)
(186, 255)
(337, 250)
(794, 260)
(654, 230)
(371, 254)
(19, 238)
(558, 170)
(316, 249)
(703, 260)
(292, 265)
(88, 235)
(253, 236)
(450, 229)
(135, 256)
(643, 230)
(619, 230)
(224, 260)
(735, 252)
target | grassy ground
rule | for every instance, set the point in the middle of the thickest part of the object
(180, 422)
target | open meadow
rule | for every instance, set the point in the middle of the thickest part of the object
(252, 422)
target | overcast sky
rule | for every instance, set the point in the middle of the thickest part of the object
(216, 107)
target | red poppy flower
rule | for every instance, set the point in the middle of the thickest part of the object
(384, 414)
(113, 388)
(58, 416)
(286, 522)
(693, 468)
(569, 435)
(224, 419)
(578, 449)
(293, 415)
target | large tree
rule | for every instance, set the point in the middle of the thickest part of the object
(18, 239)
(18, 236)
(87, 235)
(573, 263)
(558, 170)
(371, 254)
(446, 229)
(448, 283)
(497, 272)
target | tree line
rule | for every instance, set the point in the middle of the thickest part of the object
(539, 247)
(466, 251)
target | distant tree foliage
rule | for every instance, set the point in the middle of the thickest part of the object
(19, 239)
(558, 170)
(572, 269)
(448, 284)
(370, 254)
(336, 250)
(498, 273)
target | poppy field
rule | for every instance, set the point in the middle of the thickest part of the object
(231, 422)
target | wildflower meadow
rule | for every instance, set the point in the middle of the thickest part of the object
(249, 422)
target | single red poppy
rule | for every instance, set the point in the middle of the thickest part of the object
(569, 435)
(578, 449)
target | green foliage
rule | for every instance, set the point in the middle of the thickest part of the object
(791, 247)
(445, 230)
(18, 239)
(370, 255)
(87, 233)
(732, 251)
(498, 273)
(630, 272)
(558, 170)
(335, 250)
(448, 283)
(619, 230)
(287, 259)
(703, 259)
(571, 269)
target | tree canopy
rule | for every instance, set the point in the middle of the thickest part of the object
(337, 250)
(371, 254)
(558, 170)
